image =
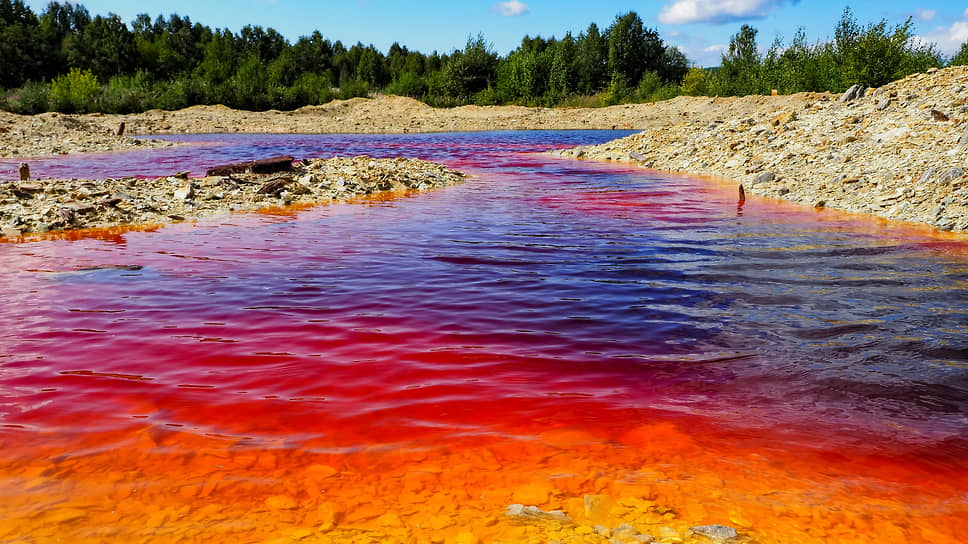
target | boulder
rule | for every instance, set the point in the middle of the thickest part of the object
(853, 93)
(765, 177)
(951, 174)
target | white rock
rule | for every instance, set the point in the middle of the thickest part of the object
(893, 134)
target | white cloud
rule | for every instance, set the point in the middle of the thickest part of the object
(511, 8)
(947, 38)
(718, 11)
(925, 15)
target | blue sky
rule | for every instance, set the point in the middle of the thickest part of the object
(701, 28)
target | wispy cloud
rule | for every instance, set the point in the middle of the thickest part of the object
(925, 15)
(510, 8)
(947, 38)
(718, 11)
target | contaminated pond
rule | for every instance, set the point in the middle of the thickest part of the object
(623, 345)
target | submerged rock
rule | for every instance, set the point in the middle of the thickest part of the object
(717, 533)
(533, 514)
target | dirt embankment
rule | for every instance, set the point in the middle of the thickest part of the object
(899, 151)
(53, 133)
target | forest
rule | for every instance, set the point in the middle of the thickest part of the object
(68, 61)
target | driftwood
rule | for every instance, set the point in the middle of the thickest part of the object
(261, 166)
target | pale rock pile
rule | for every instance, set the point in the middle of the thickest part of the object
(899, 151)
(45, 205)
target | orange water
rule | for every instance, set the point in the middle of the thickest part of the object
(620, 345)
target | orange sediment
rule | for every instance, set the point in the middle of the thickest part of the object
(170, 486)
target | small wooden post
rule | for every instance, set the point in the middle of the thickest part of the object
(24, 172)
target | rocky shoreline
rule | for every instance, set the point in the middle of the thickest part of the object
(46, 205)
(899, 151)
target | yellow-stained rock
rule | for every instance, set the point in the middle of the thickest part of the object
(466, 537)
(390, 519)
(281, 502)
(320, 472)
(598, 508)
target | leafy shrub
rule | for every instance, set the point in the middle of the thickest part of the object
(407, 84)
(648, 86)
(696, 82)
(75, 92)
(126, 94)
(30, 99)
(353, 88)
(618, 91)
(486, 97)
(250, 85)
(184, 91)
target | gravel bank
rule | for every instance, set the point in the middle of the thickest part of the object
(45, 205)
(899, 151)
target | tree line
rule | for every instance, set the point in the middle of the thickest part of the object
(66, 60)
(870, 55)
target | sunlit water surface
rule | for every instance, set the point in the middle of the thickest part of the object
(402, 368)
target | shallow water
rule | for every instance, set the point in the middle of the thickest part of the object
(548, 330)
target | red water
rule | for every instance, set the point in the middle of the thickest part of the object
(404, 368)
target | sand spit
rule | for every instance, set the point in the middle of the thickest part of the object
(46, 205)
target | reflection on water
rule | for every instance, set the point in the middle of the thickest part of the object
(403, 369)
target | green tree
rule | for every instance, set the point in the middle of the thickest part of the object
(740, 70)
(314, 54)
(591, 64)
(266, 45)
(633, 49)
(22, 56)
(372, 67)
(521, 77)
(961, 58)
(873, 55)
(59, 23)
(105, 46)
(472, 70)
(562, 77)
(219, 59)
(250, 84)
